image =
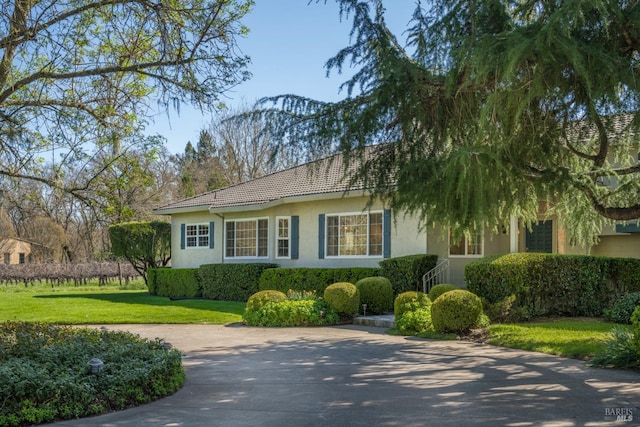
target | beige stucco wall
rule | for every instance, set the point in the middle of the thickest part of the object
(622, 245)
(405, 236)
(14, 248)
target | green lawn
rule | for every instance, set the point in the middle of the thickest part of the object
(109, 305)
(579, 339)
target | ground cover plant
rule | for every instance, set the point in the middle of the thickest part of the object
(296, 308)
(93, 304)
(45, 375)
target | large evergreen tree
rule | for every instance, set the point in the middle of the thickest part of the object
(490, 107)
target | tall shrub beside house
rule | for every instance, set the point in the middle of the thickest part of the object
(550, 284)
(145, 244)
(405, 273)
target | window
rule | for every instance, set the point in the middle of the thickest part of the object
(283, 236)
(467, 246)
(247, 238)
(7, 258)
(354, 234)
(197, 235)
(21, 258)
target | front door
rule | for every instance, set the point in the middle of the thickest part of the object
(540, 238)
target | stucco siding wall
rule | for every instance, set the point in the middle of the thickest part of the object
(618, 246)
(405, 236)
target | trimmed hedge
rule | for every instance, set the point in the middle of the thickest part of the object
(231, 282)
(377, 293)
(405, 273)
(551, 284)
(174, 282)
(311, 279)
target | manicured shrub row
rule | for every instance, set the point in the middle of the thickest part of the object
(311, 279)
(174, 282)
(231, 282)
(549, 284)
(405, 273)
(376, 293)
(44, 372)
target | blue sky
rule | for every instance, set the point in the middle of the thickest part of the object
(289, 43)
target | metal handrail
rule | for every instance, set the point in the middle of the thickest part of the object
(438, 274)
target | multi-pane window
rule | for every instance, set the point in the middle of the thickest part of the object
(354, 234)
(283, 236)
(247, 238)
(467, 246)
(197, 235)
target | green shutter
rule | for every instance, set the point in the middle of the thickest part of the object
(295, 236)
(211, 225)
(183, 237)
(321, 236)
(386, 233)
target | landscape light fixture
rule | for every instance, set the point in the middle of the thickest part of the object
(96, 366)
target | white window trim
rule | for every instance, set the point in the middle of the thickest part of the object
(277, 236)
(246, 220)
(186, 236)
(465, 247)
(340, 214)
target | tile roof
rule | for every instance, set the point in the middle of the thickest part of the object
(323, 176)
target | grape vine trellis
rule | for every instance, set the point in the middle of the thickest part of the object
(65, 274)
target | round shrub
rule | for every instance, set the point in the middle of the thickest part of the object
(410, 300)
(623, 308)
(343, 297)
(456, 311)
(440, 289)
(377, 293)
(257, 300)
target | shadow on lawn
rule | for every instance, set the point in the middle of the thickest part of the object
(144, 298)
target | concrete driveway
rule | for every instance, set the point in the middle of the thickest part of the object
(357, 376)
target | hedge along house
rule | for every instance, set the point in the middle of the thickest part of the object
(306, 216)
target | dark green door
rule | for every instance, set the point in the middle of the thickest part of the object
(540, 238)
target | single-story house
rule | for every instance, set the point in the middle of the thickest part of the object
(306, 216)
(15, 251)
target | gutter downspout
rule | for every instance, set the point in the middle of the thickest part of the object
(222, 252)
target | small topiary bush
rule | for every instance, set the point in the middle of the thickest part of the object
(456, 311)
(260, 298)
(377, 293)
(623, 308)
(440, 289)
(343, 297)
(410, 300)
